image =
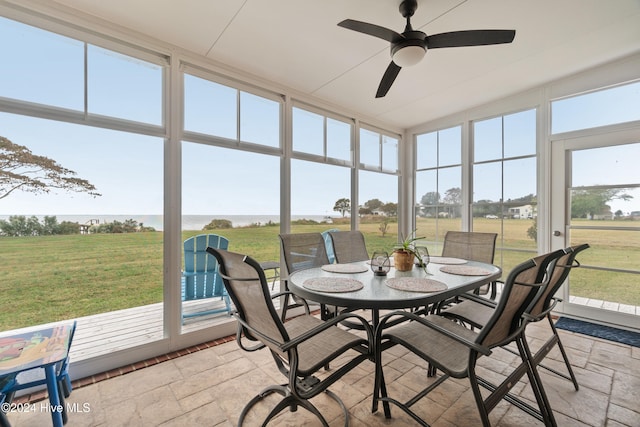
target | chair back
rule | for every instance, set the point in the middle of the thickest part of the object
(470, 245)
(524, 284)
(201, 269)
(303, 250)
(349, 246)
(247, 287)
(560, 272)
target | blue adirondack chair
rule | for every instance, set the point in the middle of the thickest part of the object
(200, 278)
(328, 244)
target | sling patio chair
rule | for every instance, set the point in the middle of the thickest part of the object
(349, 246)
(476, 311)
(300, 346)
(302, 250)
(473, 246)
(455, 350)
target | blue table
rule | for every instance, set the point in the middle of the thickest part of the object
(38, 348)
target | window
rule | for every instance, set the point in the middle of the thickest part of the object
(323, 136)
(221, 111)
(599, 108)
(124, 87)
(100, 253)
(438, 184)
(378, 151)
(504, 183)
(58, 80)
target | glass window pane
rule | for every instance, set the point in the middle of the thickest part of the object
(58, 80)
(450, 146)
(369, 148)
(124, 87)
(487, 139)
(606, 166)
(259, 120)
(487, 182)
(380, 228)
(244, 209)
(210, 108)
(427, 150)
(389, 154)
(427, 195)
(519, 179)
(315, 189)
(308, 132)
(605, 107)
(339, 140)
(99, 253)
(520, 134)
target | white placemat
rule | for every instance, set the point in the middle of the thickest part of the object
(416, 284)
(345, 268)
(465, 270)
(333, 284)
(446, 260)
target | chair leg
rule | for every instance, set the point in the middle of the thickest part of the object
(280, 389)
(536, 383)
(564, 353)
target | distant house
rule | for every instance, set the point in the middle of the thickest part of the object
(523, 212)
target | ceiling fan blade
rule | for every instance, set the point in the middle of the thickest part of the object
(388, 79)
(371, 29)
(470, 38)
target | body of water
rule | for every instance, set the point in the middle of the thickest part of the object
(189, 222)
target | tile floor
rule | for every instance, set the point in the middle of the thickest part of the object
(209, 388)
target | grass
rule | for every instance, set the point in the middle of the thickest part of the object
(50, 278)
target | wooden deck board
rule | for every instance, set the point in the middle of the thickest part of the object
(105, 333)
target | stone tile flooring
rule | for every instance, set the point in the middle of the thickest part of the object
(210, 387)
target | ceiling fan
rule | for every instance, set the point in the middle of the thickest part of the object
(410, 47)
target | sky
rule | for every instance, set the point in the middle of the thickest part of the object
(127, 169)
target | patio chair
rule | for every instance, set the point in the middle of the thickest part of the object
(300, 346)
(302, 250)
(473, 246)
(455, 350)
(477, 311)
(200, 278)
(349, 246)
(328, 245)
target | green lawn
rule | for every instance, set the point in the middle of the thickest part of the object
(50, 278)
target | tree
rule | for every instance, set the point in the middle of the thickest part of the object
(390, 209)
(21, 170)
(453, 198)
(429, 202)
(343, 206)
(373, 204)
(587, 202)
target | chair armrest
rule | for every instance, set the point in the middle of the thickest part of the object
(542, 314)
(478, 299)
(424, 321)
(329, 324)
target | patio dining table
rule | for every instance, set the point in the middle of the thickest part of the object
(354, 286)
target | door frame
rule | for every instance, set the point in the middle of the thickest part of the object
(561, 148)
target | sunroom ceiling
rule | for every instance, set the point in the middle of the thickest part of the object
(296, 44)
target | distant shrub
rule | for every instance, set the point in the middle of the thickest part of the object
(304, 221)
(218, 224)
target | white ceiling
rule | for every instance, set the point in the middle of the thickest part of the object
(297, 44)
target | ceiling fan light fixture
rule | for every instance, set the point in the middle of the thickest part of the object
(408, 55)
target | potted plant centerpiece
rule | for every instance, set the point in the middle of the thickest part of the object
(405, 252)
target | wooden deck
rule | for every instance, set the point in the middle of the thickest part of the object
(105, 333)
